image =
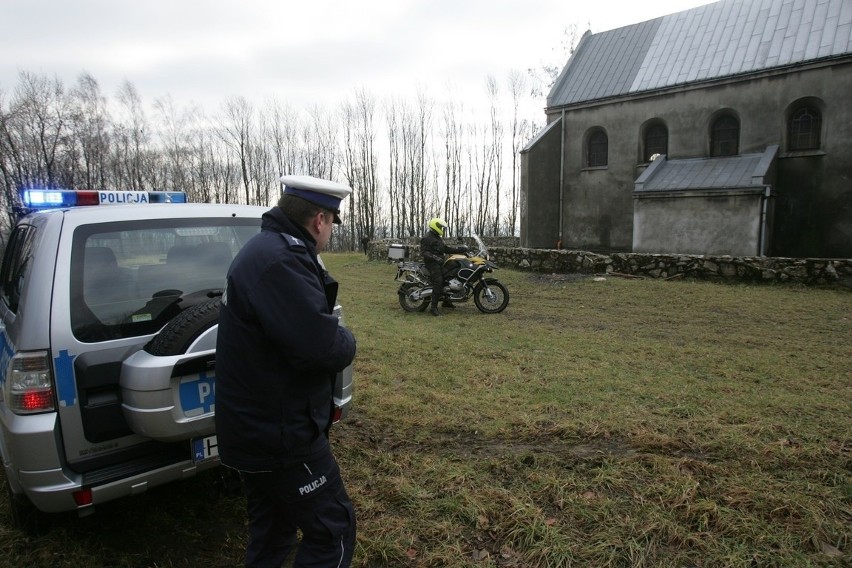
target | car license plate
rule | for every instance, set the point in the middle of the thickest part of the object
(204, 449)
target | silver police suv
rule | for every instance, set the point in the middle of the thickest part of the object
(108, 319)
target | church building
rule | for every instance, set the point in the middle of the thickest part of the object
(723, 129)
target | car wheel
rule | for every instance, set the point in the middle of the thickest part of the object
(181, 331)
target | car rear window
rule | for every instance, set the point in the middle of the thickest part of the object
(130, 278)
(16, 264)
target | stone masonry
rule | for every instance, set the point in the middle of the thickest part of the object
(810, 271)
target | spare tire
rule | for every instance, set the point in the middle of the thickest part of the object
(177, 335)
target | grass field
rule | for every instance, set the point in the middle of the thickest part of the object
(619, 423)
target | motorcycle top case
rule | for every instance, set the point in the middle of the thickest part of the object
(397, 251)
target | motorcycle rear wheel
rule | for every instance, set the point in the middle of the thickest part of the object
(493, 299)
(408, 303)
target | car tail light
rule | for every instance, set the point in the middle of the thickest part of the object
(29, 385)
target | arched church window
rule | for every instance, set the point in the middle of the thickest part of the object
(804, 129)
(597, 149)
(656, 140)
(725, 136)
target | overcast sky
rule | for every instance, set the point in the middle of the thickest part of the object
(204, 51)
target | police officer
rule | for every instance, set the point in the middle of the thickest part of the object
(279, 348)
(432, 249)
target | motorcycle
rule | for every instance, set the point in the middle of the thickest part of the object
(464, 277)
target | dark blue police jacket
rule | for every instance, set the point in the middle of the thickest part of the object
(279, 347)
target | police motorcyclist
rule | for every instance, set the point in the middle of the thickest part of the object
(433, 249)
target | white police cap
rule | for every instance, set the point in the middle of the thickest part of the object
(327, 194)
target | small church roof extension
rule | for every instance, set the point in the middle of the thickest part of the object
(722, 39)
(743, 172)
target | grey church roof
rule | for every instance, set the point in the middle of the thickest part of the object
(725, 38)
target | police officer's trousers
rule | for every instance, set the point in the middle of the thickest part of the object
(309, 496)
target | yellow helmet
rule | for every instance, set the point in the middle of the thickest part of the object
(438, 225)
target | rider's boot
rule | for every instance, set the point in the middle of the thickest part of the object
(434, 310)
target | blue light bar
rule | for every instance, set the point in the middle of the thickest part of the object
(48, 198)
(167, 197)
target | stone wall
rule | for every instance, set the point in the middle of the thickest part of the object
(812, 271)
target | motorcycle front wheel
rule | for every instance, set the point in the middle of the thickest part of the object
(408, 303)
(491, 299)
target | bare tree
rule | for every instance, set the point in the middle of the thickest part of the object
(237, 134)
(413, 162)
(481, 160)
(453, 133)
(496, 148)
(204, 165)
(360, 163)
(228, 175)
(174, 144)
(282, 133)
(90, 124)
(319, 144)
(517, 87)
(42, 116)
(12, 157)
(544, 76)
(9, 170)
(397, 172)
(262, 166)
(131, 163)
